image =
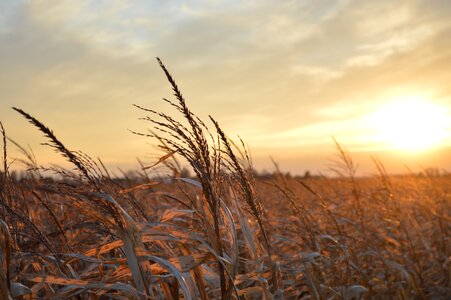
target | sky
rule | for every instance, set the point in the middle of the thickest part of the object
(286, 76)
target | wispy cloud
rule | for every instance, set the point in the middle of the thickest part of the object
(270, 70)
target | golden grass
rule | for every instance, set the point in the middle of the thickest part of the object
(224, 234)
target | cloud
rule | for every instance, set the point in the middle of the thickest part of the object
(319, 73)
(263, 68)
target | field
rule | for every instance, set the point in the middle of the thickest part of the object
(224, 233)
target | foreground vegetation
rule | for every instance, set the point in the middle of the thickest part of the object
(224, 233)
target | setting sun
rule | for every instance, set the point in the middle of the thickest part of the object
(411, 123)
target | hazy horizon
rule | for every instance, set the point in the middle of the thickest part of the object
(285, 77)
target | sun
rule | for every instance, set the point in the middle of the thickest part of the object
(411, 123)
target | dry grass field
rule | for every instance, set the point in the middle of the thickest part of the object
(224, 233)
